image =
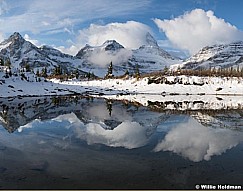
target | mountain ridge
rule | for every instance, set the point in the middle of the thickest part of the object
(217, 56)
(149, 57)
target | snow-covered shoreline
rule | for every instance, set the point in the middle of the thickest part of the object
(211, 85)
(12, 87)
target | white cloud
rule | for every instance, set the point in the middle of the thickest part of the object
(33, 41)
(3, 7)
(72, 50)
(196, 142)
(198, 28)
(130, 34)
(103, 58)
(44, 16)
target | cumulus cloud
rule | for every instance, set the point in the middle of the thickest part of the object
(103, 58)
(130, 34)
(33, 41)
(72, 50)
(196, 142)
(198, 28)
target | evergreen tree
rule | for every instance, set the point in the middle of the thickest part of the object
(241, 71)
(137, 72)
(10, 72)
(88, 75)
(57, 70)
(109, 71)
(6, 74)
(7, 62)
(76, 74)
(44, 72)
(27, 67)
(165, 70)
(37, 72)
(109, 106)
(1, 62)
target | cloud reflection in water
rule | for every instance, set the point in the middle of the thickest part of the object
(196, 142)
(128, 134)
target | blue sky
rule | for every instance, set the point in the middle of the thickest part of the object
(70, 24)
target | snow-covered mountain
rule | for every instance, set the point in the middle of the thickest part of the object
(149, 57)
(95, 59)
(21, 52)
(108, 46)
(217, 56)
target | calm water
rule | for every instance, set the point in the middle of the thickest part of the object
(85, 143)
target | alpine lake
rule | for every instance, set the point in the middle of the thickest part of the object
(81, 142)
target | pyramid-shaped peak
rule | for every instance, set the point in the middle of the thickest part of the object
(16, 36)
(150, 41)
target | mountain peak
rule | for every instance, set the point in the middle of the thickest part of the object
(112, 45)
(150, 41)
(109, 42)
(16, 36)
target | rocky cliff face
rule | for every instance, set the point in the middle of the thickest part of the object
(21, 52)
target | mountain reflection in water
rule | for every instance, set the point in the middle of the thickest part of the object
(115, 137)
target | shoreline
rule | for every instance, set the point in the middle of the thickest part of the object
(186, 87)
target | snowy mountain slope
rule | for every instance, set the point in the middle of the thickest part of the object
(21, 52)
(149, 57)
(109, 45)
(217, 56)
(94, 59)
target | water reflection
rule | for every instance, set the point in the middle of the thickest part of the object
(197, 142)
(94, 138)
(128, 135)
(199, 135)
